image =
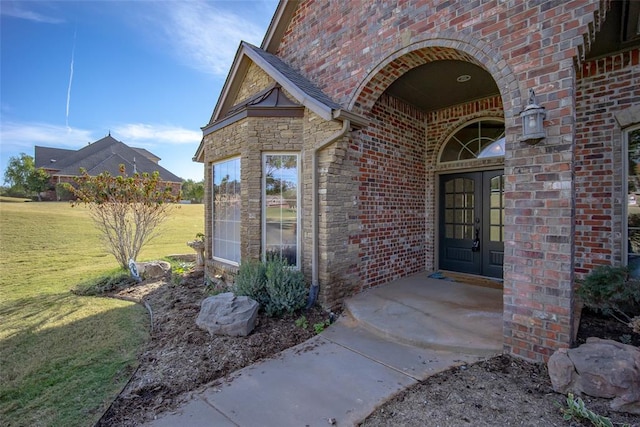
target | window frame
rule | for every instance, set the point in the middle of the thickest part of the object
(264, 206)
(625, 199)
(238, 243)
(463, 125)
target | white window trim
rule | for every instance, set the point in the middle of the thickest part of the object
(213, 256)
(298, 207)
(463, 124)
(625, 195)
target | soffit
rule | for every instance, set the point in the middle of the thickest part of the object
(436, 85)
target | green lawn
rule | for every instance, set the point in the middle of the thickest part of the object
(63, 358)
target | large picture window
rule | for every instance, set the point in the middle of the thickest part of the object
(280, 206)
(226, 211)
(633, 200)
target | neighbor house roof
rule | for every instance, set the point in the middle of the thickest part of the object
(104, 155)
(48, 157)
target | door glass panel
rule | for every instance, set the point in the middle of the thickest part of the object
(448, 187)
(459, 211)
(496, 209)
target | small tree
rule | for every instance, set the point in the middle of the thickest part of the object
(126, 209)
(23, 176)
(193, 191)
(38, 181)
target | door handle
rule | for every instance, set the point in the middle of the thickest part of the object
(475, 247)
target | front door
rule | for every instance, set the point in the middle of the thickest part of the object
(472, 222)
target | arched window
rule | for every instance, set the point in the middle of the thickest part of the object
(479, 139)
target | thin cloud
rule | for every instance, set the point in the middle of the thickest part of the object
(207, 36)
(17, 136)
(147, 134)
(16, 9)
(73, 54)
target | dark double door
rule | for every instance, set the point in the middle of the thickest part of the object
(471, 238)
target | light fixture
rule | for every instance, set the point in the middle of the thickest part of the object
(463, 78)
(533, 121)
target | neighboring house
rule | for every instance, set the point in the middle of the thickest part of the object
(104, 155)
(393, 130)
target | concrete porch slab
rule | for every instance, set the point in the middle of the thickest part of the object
(433, 313)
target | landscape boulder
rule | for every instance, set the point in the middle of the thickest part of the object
(152, 269)
(599, 368)
(227, 314)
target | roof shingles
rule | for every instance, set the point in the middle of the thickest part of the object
(104, 155)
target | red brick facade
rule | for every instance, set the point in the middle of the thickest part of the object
(563, 197)
(604, 87)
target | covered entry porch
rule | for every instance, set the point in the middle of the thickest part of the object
(438, 311)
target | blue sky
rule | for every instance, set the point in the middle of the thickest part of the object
(149, 72)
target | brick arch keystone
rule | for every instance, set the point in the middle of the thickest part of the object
(452, 46)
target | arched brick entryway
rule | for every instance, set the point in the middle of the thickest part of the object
(370, 96)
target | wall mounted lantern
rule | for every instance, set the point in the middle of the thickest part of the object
(533, 121)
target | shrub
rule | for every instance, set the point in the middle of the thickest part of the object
(277, 287)
(250, 281)
(127, 210)
(285, 286)
(63, 192)
(611, 291)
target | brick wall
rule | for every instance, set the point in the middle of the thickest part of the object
(390, 158)
(604, 87)
(355, 50)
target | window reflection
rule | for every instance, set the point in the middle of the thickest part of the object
(484, 138)
(281, 206)
(226, 210)
(633, 194)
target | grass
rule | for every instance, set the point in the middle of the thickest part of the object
(64, 358)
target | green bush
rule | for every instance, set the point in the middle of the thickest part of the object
(611, 291)
(285, 287)
(277, 287)
(62, 192)
(250, 281)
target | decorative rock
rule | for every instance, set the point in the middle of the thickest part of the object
(153, 269)
(599, 368)
(227, 314)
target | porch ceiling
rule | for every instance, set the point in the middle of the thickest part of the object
(435, 85)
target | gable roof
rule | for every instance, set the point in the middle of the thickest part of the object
(148, 154)
(278, 25)
(293, 82)
(48, 157)
(301, 88)
(105, 155)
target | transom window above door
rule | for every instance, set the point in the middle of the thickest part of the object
(477, 140)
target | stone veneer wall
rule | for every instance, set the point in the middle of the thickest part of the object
(254, 81)
(249, 138)
(605, 87)
(355, 50)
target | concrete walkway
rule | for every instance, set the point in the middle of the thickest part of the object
(389, 338)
